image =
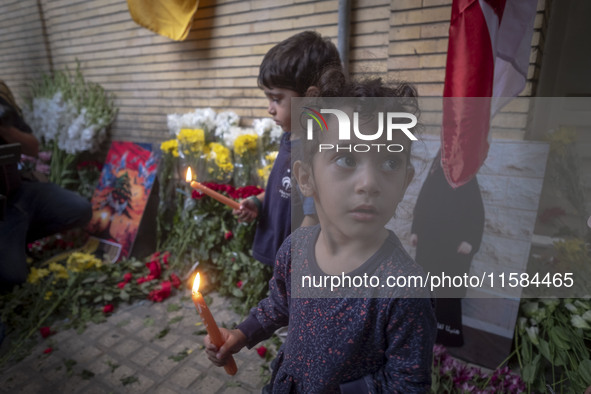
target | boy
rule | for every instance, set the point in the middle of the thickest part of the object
(366, 340)
(290, 69)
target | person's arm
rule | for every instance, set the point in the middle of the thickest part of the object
(272, 312)
(29, 143)
(409, 355)
(269, 315)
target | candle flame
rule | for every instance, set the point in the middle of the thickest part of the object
(189, 176)
(196, 284)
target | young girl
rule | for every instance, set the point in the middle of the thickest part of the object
(347, 344)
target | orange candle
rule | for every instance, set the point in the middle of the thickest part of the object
(211, 193)
(210, 325)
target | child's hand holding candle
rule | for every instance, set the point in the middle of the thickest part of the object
(211, 193)
(210, 325)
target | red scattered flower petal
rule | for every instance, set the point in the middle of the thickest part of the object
(48, 350)
(108, 308)
(45, 331)
(176, 282)
(162, 293)
(261, 350)
(228, 235)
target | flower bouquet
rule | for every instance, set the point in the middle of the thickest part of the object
(553, 341)
(227, 159)
(69, 115)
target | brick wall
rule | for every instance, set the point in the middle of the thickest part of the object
(217, 65)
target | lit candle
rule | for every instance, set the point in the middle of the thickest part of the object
(210, 325)
(204, 189)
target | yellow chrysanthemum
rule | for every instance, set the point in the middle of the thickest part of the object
(78, 261)
(191, 141)
(221, 156)
(48, 295)
(245, 143)
(37, 274)
(271, 156)
(170, 147)
(60, 271)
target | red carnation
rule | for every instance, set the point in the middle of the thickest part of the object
(165, 258)
(155, 269)
(127, 277)
(121, 285)
(45, 331)
(261, 350)
(239, 284)
(195, 195)
(228, 235)
(108, 308)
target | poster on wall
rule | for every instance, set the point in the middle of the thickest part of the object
(120, 198)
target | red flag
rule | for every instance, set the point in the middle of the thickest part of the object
(487, 60)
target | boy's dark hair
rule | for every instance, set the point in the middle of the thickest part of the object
(297, 62)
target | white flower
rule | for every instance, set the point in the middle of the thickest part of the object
(173, 122)
(198, 119)
(233, 133)
(267, 127)
(571, 307)
(223, 122)
(530, 308)
(578, 322)
(532, 333)
(275, 134)
(262, 126)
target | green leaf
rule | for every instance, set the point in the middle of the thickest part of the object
(556, 337)
(545, 350)
(175, 319)
(163, 333)
(124, 295)
(86, 374)
(585, 370)
(102, 278)
(126, 380)
(528, 373)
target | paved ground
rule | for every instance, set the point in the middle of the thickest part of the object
(142, 348)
